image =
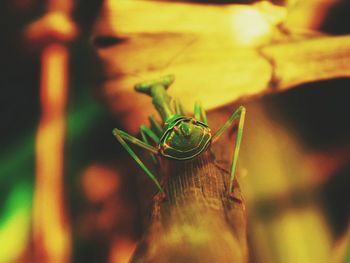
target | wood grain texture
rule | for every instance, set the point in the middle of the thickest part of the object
(195, 221)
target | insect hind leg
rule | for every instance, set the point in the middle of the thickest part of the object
(239, 113)
(124, 137)
(147, 132)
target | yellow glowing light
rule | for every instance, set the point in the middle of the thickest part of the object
(14, 231)
(249, 26)
(294, 241)
(54, 79)
(13, 236)
(51, 231)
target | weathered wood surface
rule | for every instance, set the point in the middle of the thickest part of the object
(196, 221)
(215, 63)
(218, 74)
(297, 61)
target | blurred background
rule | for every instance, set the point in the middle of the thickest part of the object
(69, 193)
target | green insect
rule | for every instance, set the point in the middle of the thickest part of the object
(180, 137)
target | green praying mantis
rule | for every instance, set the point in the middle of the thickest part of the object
(180, 137)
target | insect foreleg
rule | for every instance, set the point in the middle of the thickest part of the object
(199, 113)
(239, 113)
(122, 137)
(145, 131)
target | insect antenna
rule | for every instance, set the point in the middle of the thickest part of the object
(141, 79)
(177, 54)
(176, 105)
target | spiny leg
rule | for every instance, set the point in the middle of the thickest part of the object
(145, 131)
(199, 113)
(239, 113)
(122, 137)
(204, 115)
(155, 127)
(178, 108)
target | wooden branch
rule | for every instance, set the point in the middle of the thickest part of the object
(217, 73)
(195, 221)
(308, 60)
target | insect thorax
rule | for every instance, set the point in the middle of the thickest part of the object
(184, 138)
